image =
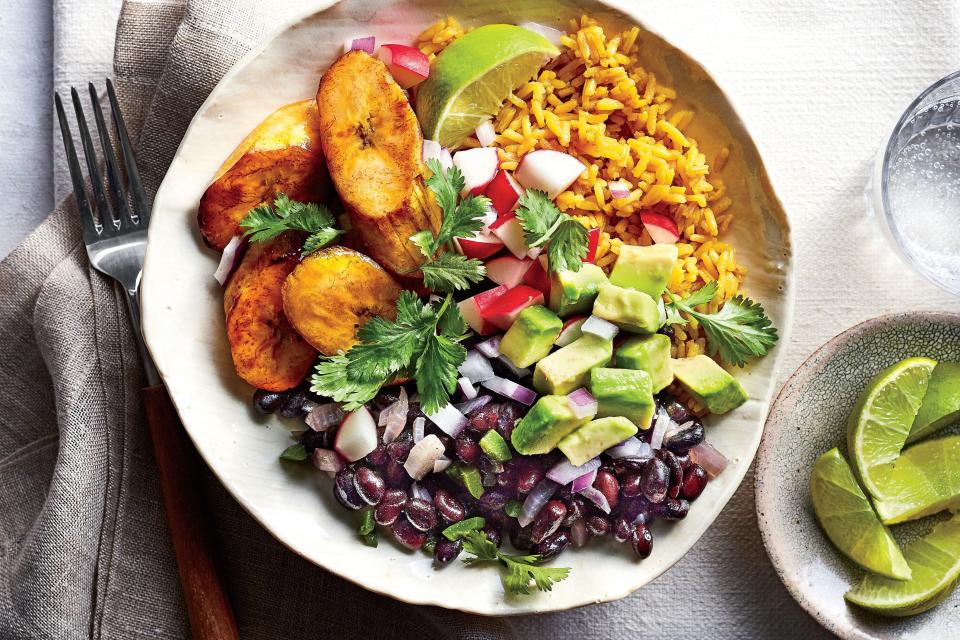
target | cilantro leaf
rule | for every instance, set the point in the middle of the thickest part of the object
(537, 215)
(385, 348)
(424, 241)
(464, 221)
(436, 372)
(445, 184)
(320, 239)
(330, 380)
(521, 570)
(543, 223)
(477, 544)
(738, 331)
(568, 246)
(451, 272)
(294, 452)
(268, 221)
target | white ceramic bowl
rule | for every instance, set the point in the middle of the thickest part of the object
(184, 327)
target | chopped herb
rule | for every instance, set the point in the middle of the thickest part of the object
(738, 331)
(543, 223)
(460, 529)
(266, 222)
(522, 571)
(368, 528)
(296, 452)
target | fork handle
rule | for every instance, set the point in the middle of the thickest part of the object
(211, 617)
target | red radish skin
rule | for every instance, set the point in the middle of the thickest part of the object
(504, 310)
(472, 310)
(502, 220)
(481, 246)
(572, 329)
(593, 241)
(662, 229)
(478, 166)
(408, 65)
(503, 191)
(548, 170)
(357, 435)
(537, 276)
(508, 270)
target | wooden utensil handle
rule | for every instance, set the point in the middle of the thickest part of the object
(211, 617)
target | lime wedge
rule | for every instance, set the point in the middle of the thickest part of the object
(472, 77)
(849, 521)
(941, 404)
(925, 479)
(935, 562)
(883, 415)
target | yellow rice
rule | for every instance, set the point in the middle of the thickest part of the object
(598, 103)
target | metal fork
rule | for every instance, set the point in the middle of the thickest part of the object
(115, 234)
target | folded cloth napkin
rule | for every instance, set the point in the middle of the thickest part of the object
(84, 551)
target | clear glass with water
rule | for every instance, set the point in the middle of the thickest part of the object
(918, 175)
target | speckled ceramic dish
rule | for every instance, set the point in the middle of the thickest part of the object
(809, 417)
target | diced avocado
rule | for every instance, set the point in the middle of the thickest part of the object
(495, 446)
(941, 403)
(645, 269)
(531, 336)
(650, 354)
(595, 437)
(545, 424)
(574, 291)
(709, 383)
(569, 368)
(623, 392)
(629, 309)
(469, 477)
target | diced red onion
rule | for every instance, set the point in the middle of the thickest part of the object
(466, 388)
(229, 259)
(431, 150)
(368, 44)
(486, 133)
(468, 407)
(578, 532)
(325, 416)
(441, 464)
(490, 347)
(619, 189)
(419, 491)
(419, 424)
(582, 403)
(476, 368)
(422, 456)
(514, 370)
(712, 461)
(660, 428)
(449, 420)
(599, 327)
(595, 496)
(584, 481)
(511, 390)
(551, 34)
(537, 497)
(394, 417)
(632, 449)
(564, 472)
(327, 460)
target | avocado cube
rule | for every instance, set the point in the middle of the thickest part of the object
(623, 392)
(629, 309)
(709, 383)
(574, 291)
(595, 437)
(531, 336)
(569, 368)
(644, 269)
(549, 420)
(650, 354)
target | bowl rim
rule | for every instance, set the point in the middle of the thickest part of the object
(765, 498)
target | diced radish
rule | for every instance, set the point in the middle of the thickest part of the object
(548, 170)
(593, 241)
(357, 435)
(486, 134)
(572, 329)
(551, 34)
(489, 218)
(663, 230)
(480, 246)
(508, 270)
(490, 347)
(619, 189)
(478, 166)
(502, 220)
(408, 65)
(446, 160)
(368, 44)
(599, 327)
(512, 235)
(420, 460)
(503, 191)
(431, 150)
(537, 276)
(504, 310)
(472, 310)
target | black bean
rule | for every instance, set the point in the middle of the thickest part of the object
(576, 508)
(485, 418)
(399, 449)
(528, 475)
(294, 404)
(421, 514)
(630, 487)
(267, 402)
(493, 532)
(396, 475)
(677, 411)
(507, 420)
(655, 480)
(311, 440)
(598, 525)
(390, 507)
(344, 490)
(642, 541)
(520, 537)
(493, 500)
(622, 529)
(370, 485)
(694, 481)
(467, 448)
(676, 471)
(548, 520)
(609, 486)
(446, 551)
(553, 545)
(684, 438)
(408, 535)
(673, 509)
(449, 508)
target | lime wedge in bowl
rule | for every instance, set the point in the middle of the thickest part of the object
(849, 520)
(924, 480)
(882, 418)
(472, 77)
(935, 563)
(941, 404)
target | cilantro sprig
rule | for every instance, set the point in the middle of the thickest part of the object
(267, 221)
(543, 223)
(445, 270)
(423, 342)
(519, 572)
(738, 331)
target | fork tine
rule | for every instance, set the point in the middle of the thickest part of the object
(137, 194)
(91, 230)
(110, 157)
(108, 222)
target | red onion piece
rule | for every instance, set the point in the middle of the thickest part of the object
(441, 464)
(600, 328)
(490, 347)
(564, 472)
(511, 390)
(537, 497)
(595, 496)
(422, 456)
(486, 134)
(466, 388)
(583, 482)
(578, 532)
(419, 424)
(449, 420)
(418, 491)
(551, 34)
(632, 449)
(476, 368)
(582, 403)
(468, 407)
(229, 259)
(325, 416)
(368, 44)
(712, 461)
(514, 370)
(660, 427)
(327, 460)
(619, 189)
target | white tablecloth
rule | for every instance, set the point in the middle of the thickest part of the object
(819, 83)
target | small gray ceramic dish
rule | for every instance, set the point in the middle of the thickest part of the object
(809, 417)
